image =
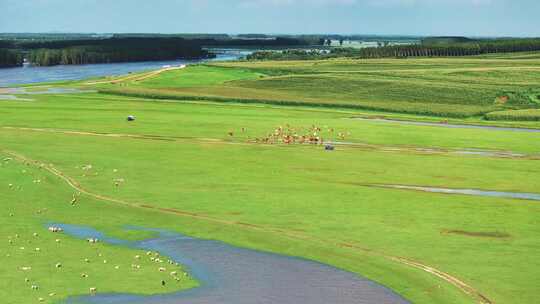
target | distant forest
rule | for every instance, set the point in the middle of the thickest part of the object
(9, 58)
(430, 47)
(53, 50)
(111, 50)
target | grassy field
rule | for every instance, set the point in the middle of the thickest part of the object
(41, 266)
(195, 167)
(447, 87)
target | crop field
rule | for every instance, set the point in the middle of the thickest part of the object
(245, 174)
(515, 115)
(446, 87)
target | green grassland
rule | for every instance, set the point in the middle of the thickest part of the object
(448, 87)
(58, 265)
(195, 167)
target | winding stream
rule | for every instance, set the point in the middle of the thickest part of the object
(516, 195)
(232, 275)
(444, 125)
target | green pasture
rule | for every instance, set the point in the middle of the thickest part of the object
(201, 160)
(59, 266)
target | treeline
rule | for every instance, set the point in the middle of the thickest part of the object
(294, 54)
(197, 40)
(129, 48)
(47, 53)
(426, 49)
(9, 58)
(112, 50)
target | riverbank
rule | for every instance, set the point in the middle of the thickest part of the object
(29, 75)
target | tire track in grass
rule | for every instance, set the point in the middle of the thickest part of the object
(74, 184)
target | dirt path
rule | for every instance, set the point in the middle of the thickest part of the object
(75, 185)
(138, 77)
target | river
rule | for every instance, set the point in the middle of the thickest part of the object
(232, 275)
(31, 74)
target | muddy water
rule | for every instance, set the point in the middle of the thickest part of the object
(44, 90)
(11, 93)
(232, 275)
(516, 195)
(453, 126)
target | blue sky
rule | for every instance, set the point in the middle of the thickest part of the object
(409, 17)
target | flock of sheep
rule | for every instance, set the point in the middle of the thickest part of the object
(152, 257)
(16, 243)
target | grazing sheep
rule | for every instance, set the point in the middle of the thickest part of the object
(27, 280)
(87, 260)
(137, 257)
(57, 240)
(92, 240)
(104, 261)
(174, 273)
(58, 265)
(38, 249)
(84, 275)
(35, 287)
(117, 267)
(52, 294)
(161, 269)
(41, 299)
(55, 229)
(36, 234)
(26, 268)
(93, 290)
